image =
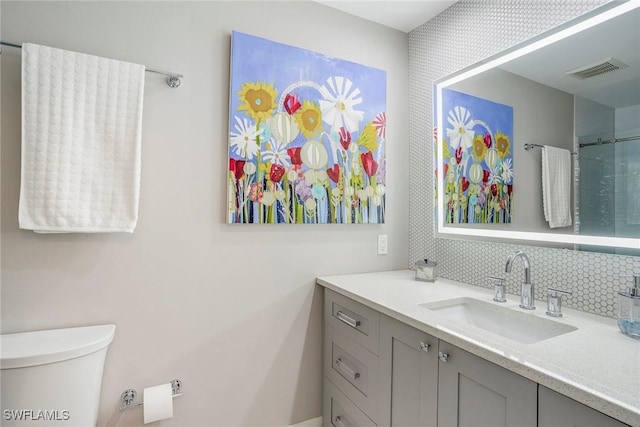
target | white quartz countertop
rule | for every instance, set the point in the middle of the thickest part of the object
(596, 365)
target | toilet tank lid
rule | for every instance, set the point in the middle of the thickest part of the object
(25, 349)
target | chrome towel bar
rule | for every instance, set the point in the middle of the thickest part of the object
(532, 146)
(173, 79)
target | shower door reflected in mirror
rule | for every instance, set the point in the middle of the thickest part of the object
(607, 183)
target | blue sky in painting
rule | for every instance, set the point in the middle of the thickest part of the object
(255, 59)
(498, 117)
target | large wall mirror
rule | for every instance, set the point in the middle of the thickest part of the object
(576, 89)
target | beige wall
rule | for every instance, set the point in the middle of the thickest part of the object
(230, 310)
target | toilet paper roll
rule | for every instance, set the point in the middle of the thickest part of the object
(158, 403)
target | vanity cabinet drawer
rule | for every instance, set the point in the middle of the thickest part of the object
(353, 369)
(357, 322)
(339, 411)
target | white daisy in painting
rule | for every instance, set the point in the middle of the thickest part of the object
(244, 141)
(494, 176)
(461, 132)
(276, 153)
(507, 171)
(340, 99)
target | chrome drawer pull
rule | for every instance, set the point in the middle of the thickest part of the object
(337, 421)
(347, 370)
(348, 320)
(443, 356)
(425, 347)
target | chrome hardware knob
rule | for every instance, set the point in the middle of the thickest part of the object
(425, 347)
(443, 356)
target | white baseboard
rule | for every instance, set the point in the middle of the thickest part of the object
(314, 422)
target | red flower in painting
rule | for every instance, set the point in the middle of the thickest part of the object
(494, 190)
(294, 155)
(510, 189)
(276, 173)
(487, 140)
(291, 103)
(334, 173)
(369, 165)
(345, 138)
(465, 184)
(485, 176)
(238, 167)
(459, 154)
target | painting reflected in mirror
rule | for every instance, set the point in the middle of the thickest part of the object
(582, 104)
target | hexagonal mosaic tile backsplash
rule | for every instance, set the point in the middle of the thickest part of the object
(462, 35)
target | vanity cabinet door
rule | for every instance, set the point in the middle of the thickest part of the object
(557, 410)
(408, 376)
(473, 392)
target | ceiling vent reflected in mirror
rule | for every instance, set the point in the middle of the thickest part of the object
(605, 66)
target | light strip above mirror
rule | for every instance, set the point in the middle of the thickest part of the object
(600, 15)
(540, 42)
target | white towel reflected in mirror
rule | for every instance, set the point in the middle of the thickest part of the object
(556, 186)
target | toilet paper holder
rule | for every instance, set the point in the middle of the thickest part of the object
(128, 397)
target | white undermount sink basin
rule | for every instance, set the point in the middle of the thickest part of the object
(509, 323)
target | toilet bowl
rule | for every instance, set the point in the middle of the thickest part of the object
(53, 377)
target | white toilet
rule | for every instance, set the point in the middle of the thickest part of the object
(53, 378)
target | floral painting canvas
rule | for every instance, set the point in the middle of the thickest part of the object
(478, 160)
(307, 137)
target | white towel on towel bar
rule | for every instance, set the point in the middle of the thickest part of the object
(81, 142)
(556, 186)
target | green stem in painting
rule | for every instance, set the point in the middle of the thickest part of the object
(259, 173)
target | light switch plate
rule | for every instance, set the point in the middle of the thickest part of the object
(382, 244)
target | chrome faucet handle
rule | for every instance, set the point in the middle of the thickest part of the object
(499, 291)
(554, 302)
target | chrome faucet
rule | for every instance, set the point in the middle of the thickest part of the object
(527, 299)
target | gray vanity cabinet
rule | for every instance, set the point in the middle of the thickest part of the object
(557, 410)
(473, 392)
(425, 382)
(380, 372)
(408, 375)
